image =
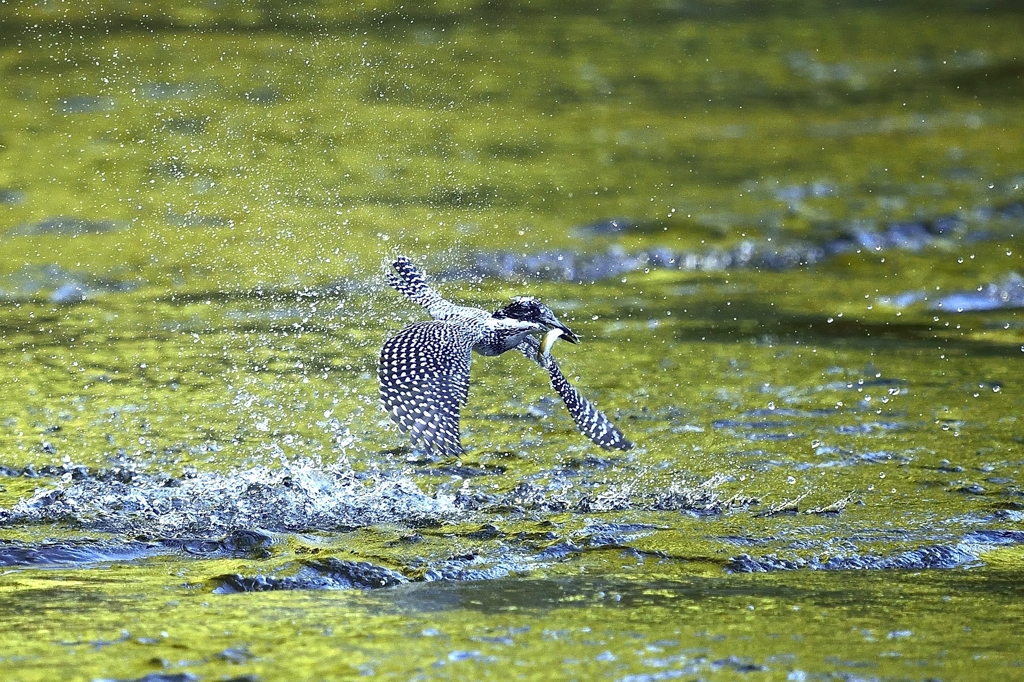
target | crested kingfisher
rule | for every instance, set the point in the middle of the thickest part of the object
(424, 368)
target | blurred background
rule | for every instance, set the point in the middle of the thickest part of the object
(224, 146)
(789, 233)
(198, 200)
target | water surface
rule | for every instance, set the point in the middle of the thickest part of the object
(789, 236)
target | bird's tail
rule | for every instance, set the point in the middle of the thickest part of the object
(591, 422)
(410, 282)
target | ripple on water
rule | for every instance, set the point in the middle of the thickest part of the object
(85, 104)
(67, 226)
(11, 197)
(164, 91)
(59, 285)
(1005, 293)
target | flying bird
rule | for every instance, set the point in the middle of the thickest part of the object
(424, 368)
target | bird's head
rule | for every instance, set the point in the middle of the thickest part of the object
(530, 309)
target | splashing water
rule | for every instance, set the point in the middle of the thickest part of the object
(297, 496)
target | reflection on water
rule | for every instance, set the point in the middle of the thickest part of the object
(789, 236)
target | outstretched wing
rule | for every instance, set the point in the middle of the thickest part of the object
(424, 382)
(592, 422)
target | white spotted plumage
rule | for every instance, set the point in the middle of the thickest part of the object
(592, 422)
(424, 382)
(424, 369)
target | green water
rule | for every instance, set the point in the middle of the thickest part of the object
(226, 185)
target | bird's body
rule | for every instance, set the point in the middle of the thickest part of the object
(424, 369)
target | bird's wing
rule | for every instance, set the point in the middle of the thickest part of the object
(424, 382)
(592, 422)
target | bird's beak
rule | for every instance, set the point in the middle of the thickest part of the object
(563, 331)
(566, 333)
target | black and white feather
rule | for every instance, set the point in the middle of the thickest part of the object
(424, 382)
(424, 369)
(591, 422)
